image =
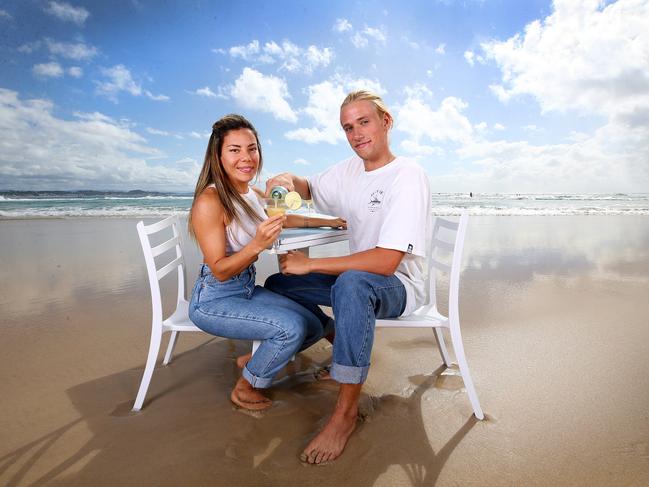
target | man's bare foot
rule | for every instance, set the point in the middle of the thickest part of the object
(243, 360)
(247, 397)
(331, 441)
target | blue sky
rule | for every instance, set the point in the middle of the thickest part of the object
(488, 96)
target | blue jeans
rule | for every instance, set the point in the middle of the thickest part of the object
(357, 299)
(236, 308)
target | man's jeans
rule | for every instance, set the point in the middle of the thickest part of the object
(357, 299)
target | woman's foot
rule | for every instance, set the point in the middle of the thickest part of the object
(243, 360)
(247, 397)
(323, 373)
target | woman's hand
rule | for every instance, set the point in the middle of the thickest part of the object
(268, 231)
(294, 262)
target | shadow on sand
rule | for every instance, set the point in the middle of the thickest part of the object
(189, 433)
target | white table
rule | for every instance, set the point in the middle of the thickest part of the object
(303, 238)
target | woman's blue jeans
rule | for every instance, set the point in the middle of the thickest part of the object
(236, 308)
(357, 299)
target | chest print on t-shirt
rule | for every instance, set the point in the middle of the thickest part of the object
(376, 200)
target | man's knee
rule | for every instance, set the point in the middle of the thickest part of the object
(353, 284)
(275, 282)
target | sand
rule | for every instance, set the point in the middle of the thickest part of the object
(555, 317)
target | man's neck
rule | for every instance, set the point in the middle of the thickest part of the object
(371, 165)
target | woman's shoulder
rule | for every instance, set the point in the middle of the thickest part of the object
(207, 203)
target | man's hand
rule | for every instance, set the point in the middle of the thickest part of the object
(285, 179)
(337, 223)
(294, 263)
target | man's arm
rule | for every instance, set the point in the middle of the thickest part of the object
(377, 260)
(290, 182)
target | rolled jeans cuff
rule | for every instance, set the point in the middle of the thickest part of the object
(347, 374)
(256, 382)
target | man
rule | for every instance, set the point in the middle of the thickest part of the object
(385, 200)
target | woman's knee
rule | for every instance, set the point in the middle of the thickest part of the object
(292, 328)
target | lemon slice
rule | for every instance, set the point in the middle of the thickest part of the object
(293, 200)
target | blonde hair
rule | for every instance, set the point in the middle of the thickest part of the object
(376, 100)
(212, 172)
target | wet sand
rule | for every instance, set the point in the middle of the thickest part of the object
(555, 320)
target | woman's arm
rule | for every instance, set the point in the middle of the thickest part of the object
(304, 221)
(208, 219)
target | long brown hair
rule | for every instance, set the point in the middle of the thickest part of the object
(212, 171)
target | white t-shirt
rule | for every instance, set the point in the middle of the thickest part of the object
(387, 207)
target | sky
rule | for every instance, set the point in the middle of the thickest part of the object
(487, 95)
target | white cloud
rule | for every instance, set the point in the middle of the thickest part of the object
(29, 47)
(362, 38)
(245, 52)
(412, 44)
(71, 50)
(376, 34)
(188, 164)
(66, 12)
(254, 91)
(355, 84)
(4, 15)
(196, 135)
(301, 162)
(446, 124)
(205, 91)
(499, 126)
(75, 71)
(417, 149)
(610, 160)
(342, 25)
(471, 58)
(288, 56)
(119, 79)
(89, 151)
(156, 97)
(481, 127)
(157, 132)
(48, 70)
(592, 56)
(441, 49)
(418, 90)
(323, 108)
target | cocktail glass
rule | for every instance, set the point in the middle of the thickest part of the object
(275, 207)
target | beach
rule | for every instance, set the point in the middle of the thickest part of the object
(555, 319)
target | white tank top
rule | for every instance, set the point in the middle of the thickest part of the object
(239, 234)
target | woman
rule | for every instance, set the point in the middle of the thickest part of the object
(229, 223)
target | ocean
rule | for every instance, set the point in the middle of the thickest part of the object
(73, 204)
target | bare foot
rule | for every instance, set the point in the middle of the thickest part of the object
(247, 397)
(323, 373)
(331, 441)
(243, 360)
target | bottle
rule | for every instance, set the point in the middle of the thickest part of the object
(278, 192)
